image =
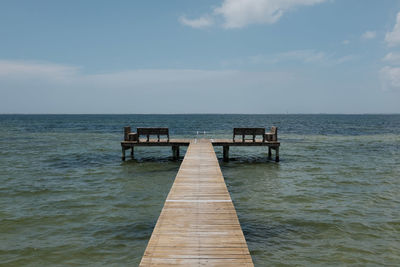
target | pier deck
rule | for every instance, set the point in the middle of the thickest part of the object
(225, 143)
(198, 225)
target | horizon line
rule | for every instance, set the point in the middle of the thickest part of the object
(194, 113)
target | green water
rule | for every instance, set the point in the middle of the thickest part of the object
(67, 199)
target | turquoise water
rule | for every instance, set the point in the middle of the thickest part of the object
(67, 199)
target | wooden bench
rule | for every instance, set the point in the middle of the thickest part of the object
(249, 131)
(272, 136)
(152, 131)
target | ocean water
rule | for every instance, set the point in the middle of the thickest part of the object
(66, 198)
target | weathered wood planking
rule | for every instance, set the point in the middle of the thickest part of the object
(198, 225)
(225, 143)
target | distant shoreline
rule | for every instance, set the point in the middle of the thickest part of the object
(167, 114)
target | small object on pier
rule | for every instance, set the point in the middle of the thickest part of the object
(128, 135)
(272, 136)
(127, 130)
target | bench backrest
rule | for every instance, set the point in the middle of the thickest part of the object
(152, 131)
(248, 131)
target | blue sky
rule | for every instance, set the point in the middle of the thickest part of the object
(225, 56)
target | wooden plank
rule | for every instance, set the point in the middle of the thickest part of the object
(257, 142)
(186, 142)
(198, 225)
(155, 142)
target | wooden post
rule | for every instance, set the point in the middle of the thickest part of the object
(123, 153)
(269, 152)
(127, 130)
(226, 153)
(175, 152)
(132, 152)
(277, 154)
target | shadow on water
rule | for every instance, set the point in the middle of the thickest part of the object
(136, 160)
(80, 160)
(261, 232)
(141, 230)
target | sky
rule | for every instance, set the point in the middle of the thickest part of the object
(191, 56)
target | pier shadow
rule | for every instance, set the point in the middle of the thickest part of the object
(261, 232)
(125, 232)
(79, 160)
(146, 159)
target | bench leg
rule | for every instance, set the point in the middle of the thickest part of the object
(269, 153)
(148, 138)
(132, 152)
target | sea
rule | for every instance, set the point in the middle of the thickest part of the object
(66, 198)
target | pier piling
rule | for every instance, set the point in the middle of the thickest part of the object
(226, 153)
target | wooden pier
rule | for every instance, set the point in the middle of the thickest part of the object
(269, 140)
(198, 225)
(175, 145)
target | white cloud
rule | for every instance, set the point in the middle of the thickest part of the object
(202, 22)
(345, 42)
(368, 35)
(307, 56)
(36, 69)
(393, 58)
(390, 77)
(344, 59)
(27, 87)
(240, 13)
(393, 38)
(32, 87)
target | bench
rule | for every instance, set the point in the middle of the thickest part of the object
(249, 131)
(152, 131)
